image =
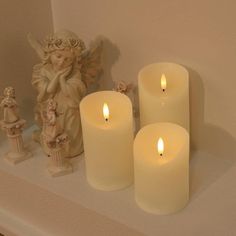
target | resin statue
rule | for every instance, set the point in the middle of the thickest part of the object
(122, 87)
(51, 128)
(9, 106)
(66, 71)
(128, 89)
(55, 141)
(13, 125)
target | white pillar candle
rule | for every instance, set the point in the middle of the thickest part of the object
(164, 94)
(161, 179)
(108, 139)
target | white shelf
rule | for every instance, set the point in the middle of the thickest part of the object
(211, 209)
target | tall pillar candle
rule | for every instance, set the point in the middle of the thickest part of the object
(161, 168)
(108, 139)
(164, 94)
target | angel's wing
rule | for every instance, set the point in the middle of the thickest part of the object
(91, 64)
(36, 45)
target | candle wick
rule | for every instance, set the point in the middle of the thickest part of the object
(106, 119)
(161, 154)
(163, 90)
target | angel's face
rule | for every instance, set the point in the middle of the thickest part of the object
(62, 59)
(9, 92)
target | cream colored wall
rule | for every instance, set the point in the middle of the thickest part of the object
(17, 19)
(197, 34)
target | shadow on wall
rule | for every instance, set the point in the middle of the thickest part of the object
(218, 146)
(110, 56)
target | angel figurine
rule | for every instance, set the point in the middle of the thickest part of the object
(122, 87)
(9, 105)
(55, 141)
(13, 125)
(66, 71)
(51, 128)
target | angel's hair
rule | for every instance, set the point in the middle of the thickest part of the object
(60, 41)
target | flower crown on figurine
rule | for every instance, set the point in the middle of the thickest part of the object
(54, 43)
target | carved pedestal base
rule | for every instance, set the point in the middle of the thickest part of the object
(58, 165)
(18, 152)
(15, 158)
(56, 171)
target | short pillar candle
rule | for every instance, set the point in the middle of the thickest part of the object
(107, 125)
(164, 94)
(161, 177)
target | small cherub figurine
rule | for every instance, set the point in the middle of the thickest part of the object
(122, 87)
(66, 71)
(13, 125)
(128, 89)
(51, 127)
(54, 141)
(9, 105)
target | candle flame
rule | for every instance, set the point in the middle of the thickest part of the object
(163, 82)
(160, 146)
(105, 111)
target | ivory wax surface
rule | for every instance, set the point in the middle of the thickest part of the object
(161, 183)
(108, 145)
(172, 105)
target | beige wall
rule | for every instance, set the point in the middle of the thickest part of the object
(197, 34)
(17, 19)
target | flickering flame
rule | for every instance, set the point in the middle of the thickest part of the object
(160, 146)
(105, 111)
(163, 82)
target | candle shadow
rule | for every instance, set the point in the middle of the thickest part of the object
(110, 54)
(213, 150)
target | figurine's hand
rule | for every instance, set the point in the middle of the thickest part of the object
(54, 79)
(65, 72)
(52, 85)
